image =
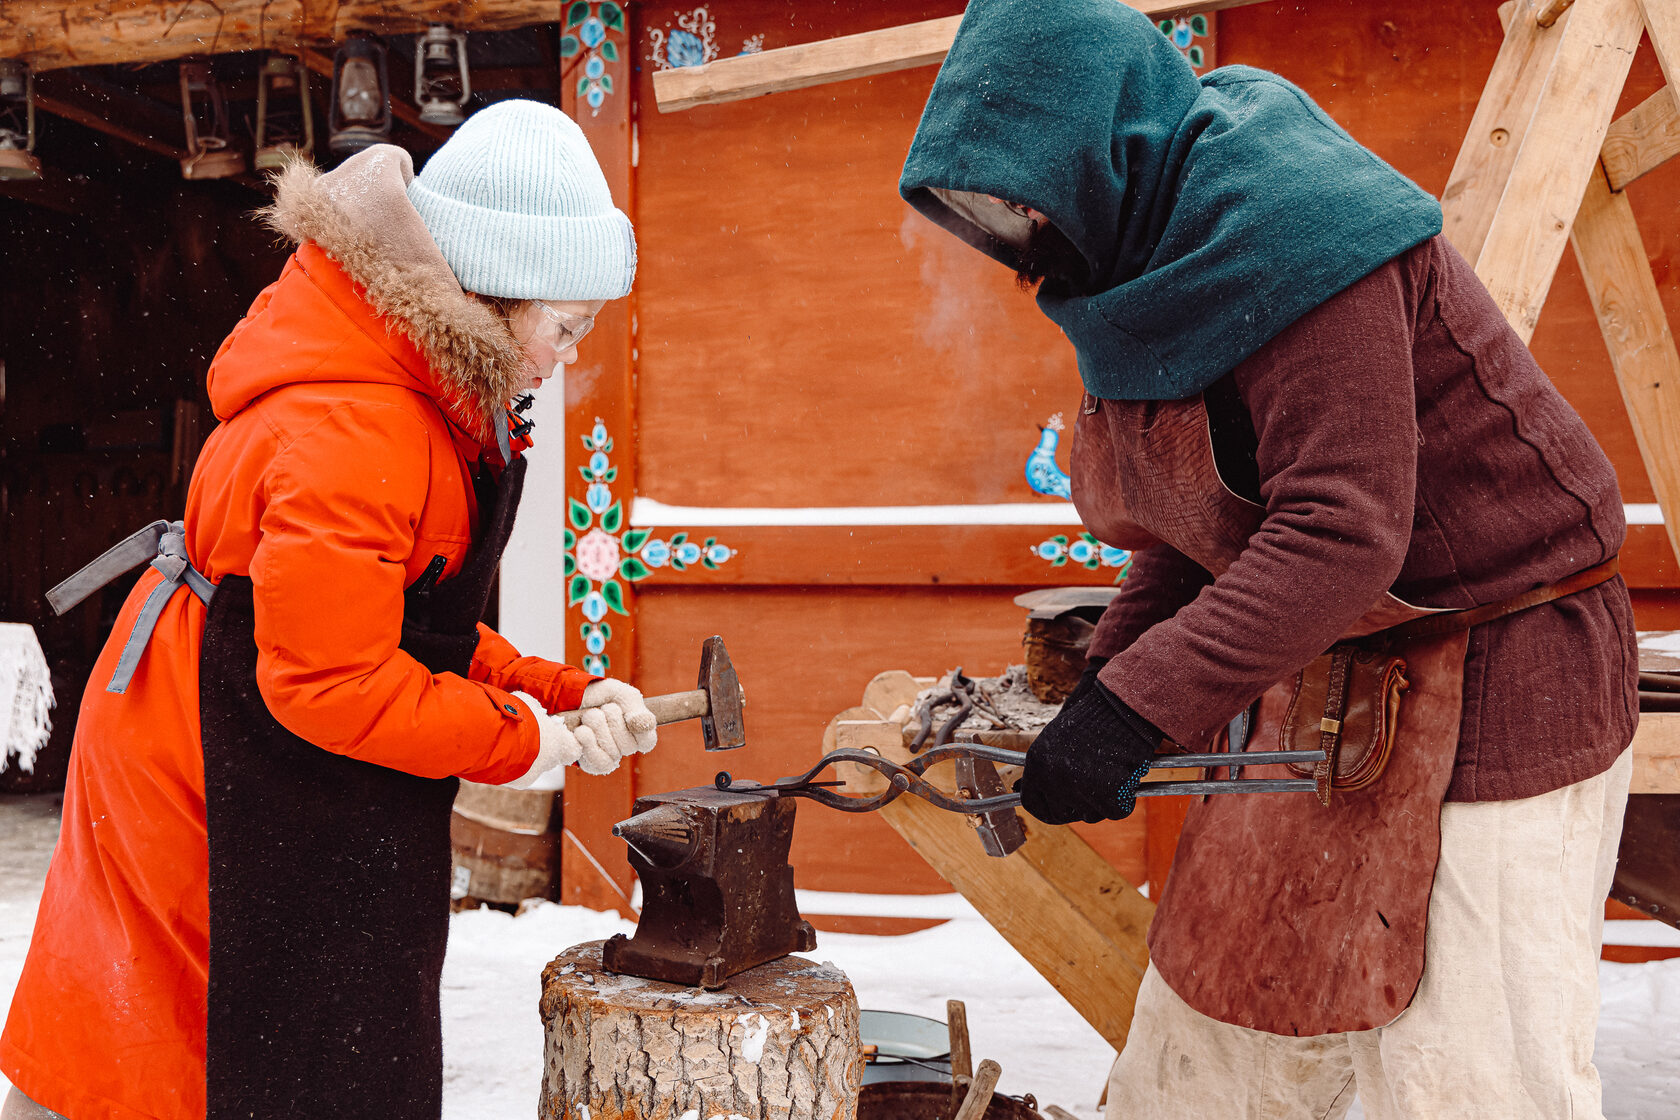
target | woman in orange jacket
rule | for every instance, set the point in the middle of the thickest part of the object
(247, 909)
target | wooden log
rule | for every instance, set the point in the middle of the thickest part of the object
(781, 1041)
(844, 57)
(1559, 154)
(1635, 326)
(50, 35)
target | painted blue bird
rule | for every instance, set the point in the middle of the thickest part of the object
(1043, 475)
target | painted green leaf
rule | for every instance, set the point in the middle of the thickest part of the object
(708, 562)
(1196, 56)
(587, 477)
(635, 539)
(613, 520)
(578, 514)
(569, 46)
(678, 539)
(583, 630)
(1058, 561)
(606, 630)
(571, 540)
(613, 593)
(1199, 24)
(633, 569)
(612, 15)
(577, 13)
(611, 475)
(583, 86)
(606, 82)
(710, 541)
(571, 563)
(577, 589)
(678, 565)
(608, 446)
(1060, 538)
(609, 50)
(1166, 26)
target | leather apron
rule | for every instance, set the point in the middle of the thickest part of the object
(329, 876)
(1280, 914)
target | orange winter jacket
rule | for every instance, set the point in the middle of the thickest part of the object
(334, 479)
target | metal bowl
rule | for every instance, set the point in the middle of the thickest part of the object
(907, 1047)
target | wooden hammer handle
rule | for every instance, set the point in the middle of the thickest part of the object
(673, 707)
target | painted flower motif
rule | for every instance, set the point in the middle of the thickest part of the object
(656, 554)
(595, 67)
(595, 666)
(594, 640)
(597, 555)
(688, 552)
(718, 553)
(592, 32)
(1081, 551)
(598, 465)
(598, 438)
(598, 497)
(1053, 550)
(594, 606)
(1115, 557)
(684, 48)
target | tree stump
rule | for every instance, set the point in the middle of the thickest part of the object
(780, 1042)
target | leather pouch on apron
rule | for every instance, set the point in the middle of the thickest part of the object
(329, 878)
(1346, 702)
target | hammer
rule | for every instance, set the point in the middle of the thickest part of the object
(717, 703)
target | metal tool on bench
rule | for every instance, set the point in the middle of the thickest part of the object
(717, 703)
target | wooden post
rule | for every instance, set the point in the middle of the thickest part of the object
(1558, 153)
(781, 1040)
(601, 409)
(1635, 327)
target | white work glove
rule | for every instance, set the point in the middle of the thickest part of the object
(615, 723)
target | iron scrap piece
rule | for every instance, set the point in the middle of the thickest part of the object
(717, 891)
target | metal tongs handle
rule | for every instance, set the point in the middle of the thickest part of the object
(901, 780)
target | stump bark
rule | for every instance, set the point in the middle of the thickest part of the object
(779, 1042)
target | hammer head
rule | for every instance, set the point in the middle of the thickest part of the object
(724, 728)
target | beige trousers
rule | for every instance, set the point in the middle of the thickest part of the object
(1501, 1027)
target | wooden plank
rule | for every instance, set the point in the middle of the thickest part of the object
(1059, 903)
(1497, 129)
(861, 55)
(1662, 24)
(1656, 753)
(1642, 139)
(114, 111)
(1559, 154)
(50, 34)
(1636, 331)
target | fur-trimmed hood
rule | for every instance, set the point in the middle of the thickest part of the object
(360, 216)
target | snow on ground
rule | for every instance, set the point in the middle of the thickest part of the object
(492, 978)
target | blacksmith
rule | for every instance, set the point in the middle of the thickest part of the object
(1360, 512)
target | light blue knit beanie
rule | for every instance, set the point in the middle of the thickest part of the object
(520, 209)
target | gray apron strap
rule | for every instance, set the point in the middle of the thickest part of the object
(164, 543)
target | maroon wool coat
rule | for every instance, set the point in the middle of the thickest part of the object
(1404, 439)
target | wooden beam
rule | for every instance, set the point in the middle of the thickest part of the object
(1497, 129)
(114, 111)
(52, 34)
(1642, 139)
(1059, 903)
(1636, 332)
(847, 56)
(1558, 154)
(79, 197)
(1656, 753)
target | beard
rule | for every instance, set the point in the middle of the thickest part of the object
(1049, 256)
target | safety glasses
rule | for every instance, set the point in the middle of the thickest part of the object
(572, 328)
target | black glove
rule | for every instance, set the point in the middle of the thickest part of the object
(1087, 762)
(1087, 679)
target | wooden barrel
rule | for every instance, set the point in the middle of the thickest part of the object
(506, 844)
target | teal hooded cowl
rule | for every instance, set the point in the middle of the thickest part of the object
(1210, 213)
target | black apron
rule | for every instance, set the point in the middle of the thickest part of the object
(329, 877)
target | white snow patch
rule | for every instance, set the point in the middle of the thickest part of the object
(752, 1046)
